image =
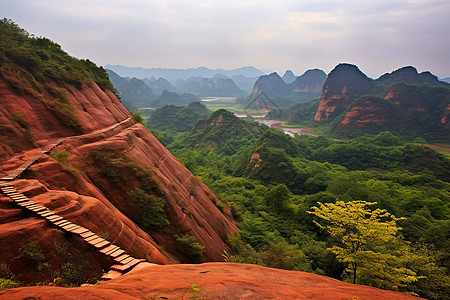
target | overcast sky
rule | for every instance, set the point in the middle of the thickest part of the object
(379, 36)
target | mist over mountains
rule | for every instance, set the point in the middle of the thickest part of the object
(174, 74)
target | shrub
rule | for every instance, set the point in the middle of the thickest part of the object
(137, 116)
(73, 273)
(189, 245)
(33, 252)
(150, 209)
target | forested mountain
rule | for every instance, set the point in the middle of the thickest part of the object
(404, 102)
(177, 118)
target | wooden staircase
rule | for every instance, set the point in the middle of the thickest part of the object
(123, 262)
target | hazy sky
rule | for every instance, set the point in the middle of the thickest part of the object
(377, 35)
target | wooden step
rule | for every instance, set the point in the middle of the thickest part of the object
(26, 203)
(125, 261)
(95, 240)
(91, 238)
(61, 222)
(117, 253)
(112, 274)
(102, 244)
(20, 200)
(79, 230)
(109, 249)
(37, 209)
(69, 226)
(87, 234)
(54, 218)
(127, 267)
(46, 213)
(121, 258)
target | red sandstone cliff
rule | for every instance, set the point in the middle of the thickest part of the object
(89, 198)
(344, 84)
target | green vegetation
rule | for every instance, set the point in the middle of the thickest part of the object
(33, 252)
(7, 280)
(38, 67)
(39, 60)
(189, 246)
(150, 209)
(146, 200)
(137, 116)
(63, 157)
(272, 180)
(176, 118)
(367, 242)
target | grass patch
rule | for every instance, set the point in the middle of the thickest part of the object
(63, 157)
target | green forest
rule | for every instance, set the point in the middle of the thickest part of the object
(371, 210)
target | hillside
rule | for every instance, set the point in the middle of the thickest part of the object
(178, 118)
(106, 175)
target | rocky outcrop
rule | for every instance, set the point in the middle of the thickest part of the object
(212, 281)
(344, 84)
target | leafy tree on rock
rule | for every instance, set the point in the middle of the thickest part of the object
(367, 241)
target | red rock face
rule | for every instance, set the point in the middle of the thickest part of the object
(446, 118)
(367, 112)
(213, 281)
(343, 85)
(91, 199)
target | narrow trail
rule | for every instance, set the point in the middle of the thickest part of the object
(123, 262)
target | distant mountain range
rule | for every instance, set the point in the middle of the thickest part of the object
(173, 75)
(288, 90)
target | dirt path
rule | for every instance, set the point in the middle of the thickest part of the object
(439, 148)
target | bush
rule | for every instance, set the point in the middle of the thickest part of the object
(150, 209)
(188, 245)
(137, 116)
(33, 252)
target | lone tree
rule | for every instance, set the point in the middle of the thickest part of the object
(366, 240)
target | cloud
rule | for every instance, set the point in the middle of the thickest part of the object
(379, 35)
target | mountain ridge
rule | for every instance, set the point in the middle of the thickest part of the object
(173, 74)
